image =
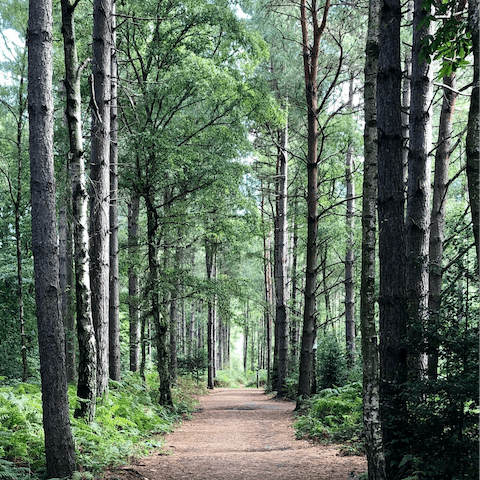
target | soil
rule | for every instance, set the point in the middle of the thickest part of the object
(241, 434)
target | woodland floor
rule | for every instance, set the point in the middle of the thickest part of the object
(241, 434)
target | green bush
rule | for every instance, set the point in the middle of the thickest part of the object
(334, 415)
(230, 378)
(128, 422)
(331, 362)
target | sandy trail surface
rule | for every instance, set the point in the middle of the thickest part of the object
(241, 434)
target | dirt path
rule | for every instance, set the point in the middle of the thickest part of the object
(241, 434)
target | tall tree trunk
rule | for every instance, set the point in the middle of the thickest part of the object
(281, 257)
(114, 280)
(350, 333)
(159, 318)
(473, 132)
(173, 338)
(417, 224)
(100, 184)
(133, 290)
(371, 406)
(267, 272)
(64, 287)
(294, 330)
(391, 236)
(65, 247)
(245, 338)
(191, 329)
(16, 197)
(59, 446)
(87, 356)
(310, 63)
(407, 95)
(437, 221)
(210, 259)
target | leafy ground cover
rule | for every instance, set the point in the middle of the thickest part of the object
(129, 423)
(333, 416)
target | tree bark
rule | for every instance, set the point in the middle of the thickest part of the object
(86, 382)
(114, 280)
(437, 221)
(407, 96)
(310, 63)
(281, 257)
(59, 446)
(391, 236)
(210, 259)
(473, 132)
(100, 184)
(65, 256)
(267, 273)
(371, 406)
(417, 224)
(159, 318)
(133, 290)
(294, 324)
(350, 332)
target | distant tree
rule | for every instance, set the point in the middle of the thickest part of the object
(59, 446)
(133, 285)
(16, 186)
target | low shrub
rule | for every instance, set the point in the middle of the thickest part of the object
(333, 415)
(128, 422)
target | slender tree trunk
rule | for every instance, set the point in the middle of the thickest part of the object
(350, 333)
(159, 320)
(173, 338)
(87, 356)
(100, 184)
(245, 338)
(64, 287)
(191, 329)
(267, 271)
(310, 63)
(16, 195)
(294, 330)
(68, 312)
(371, 406)
(391, 236)
(210, 259)
(406, 96)
(417, 224)
(114, 280)
(437, 222)
(133, 290)
(281, 257)
(59, 446)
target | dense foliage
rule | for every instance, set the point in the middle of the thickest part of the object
(129, 422)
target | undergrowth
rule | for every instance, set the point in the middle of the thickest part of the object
(129, 422)
(333, 415)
